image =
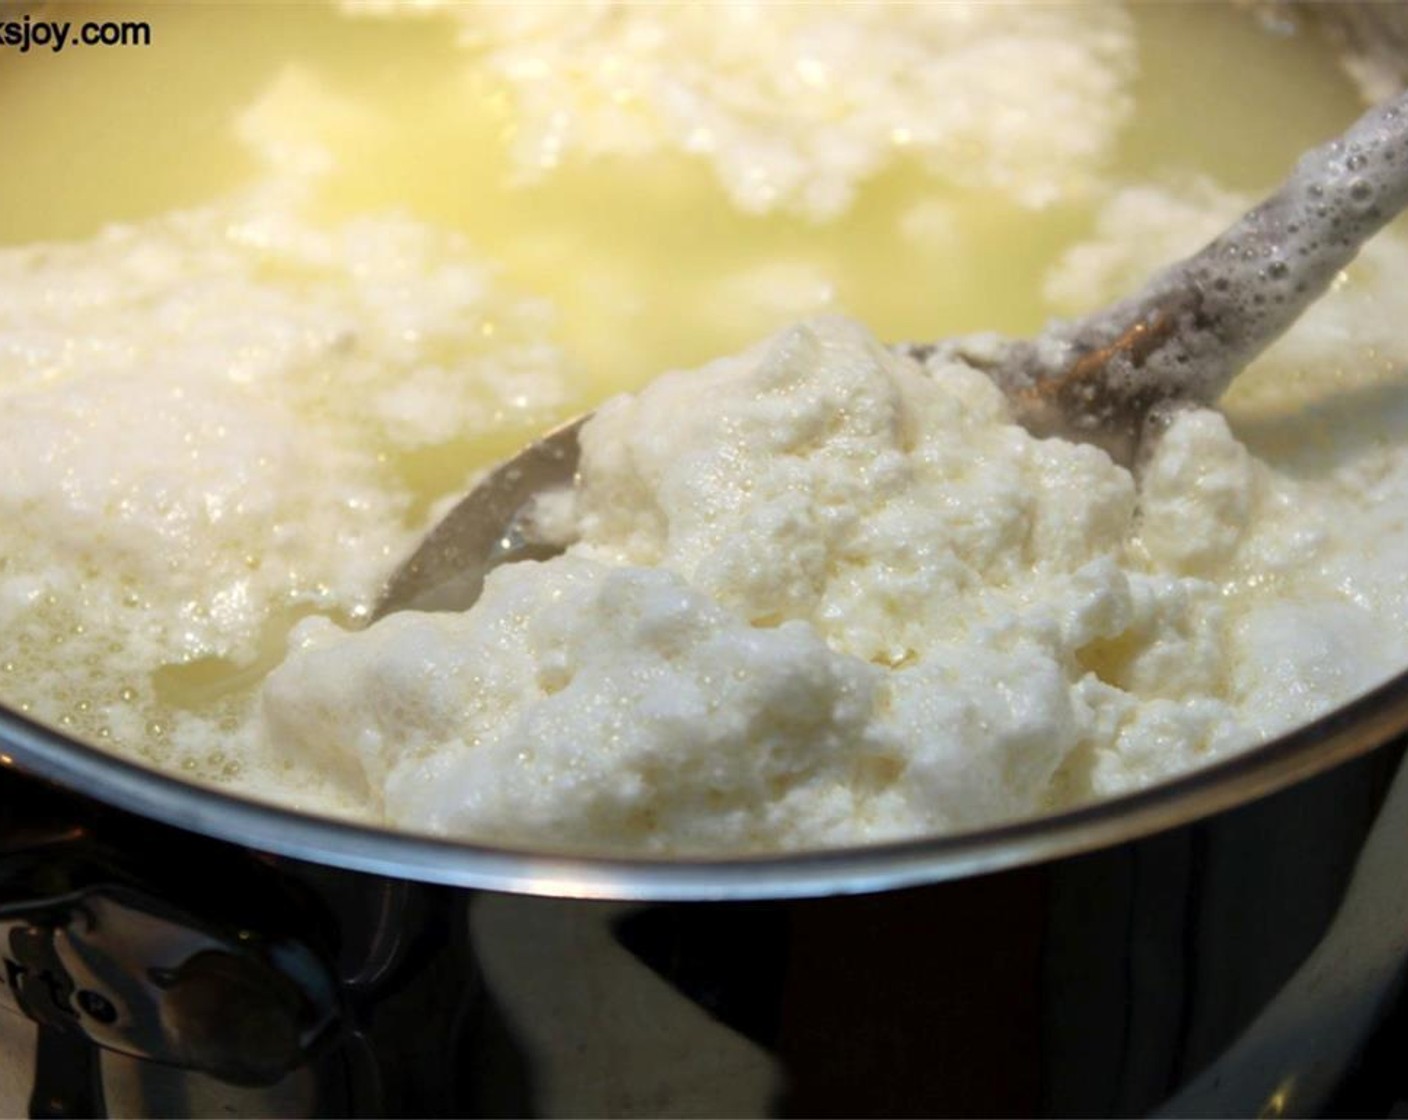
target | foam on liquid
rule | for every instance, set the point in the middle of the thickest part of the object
(645, 263)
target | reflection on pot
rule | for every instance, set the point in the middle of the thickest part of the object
(1245, 963)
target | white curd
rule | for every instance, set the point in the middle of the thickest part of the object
(819, 595)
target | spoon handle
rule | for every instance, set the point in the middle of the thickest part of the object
(1100, 379)
(1194, 326)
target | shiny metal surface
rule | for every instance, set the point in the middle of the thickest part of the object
(484, 529)
(1240, 965)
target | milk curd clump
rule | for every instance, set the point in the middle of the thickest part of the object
(823, 596)
(197, 415)
(795, 105)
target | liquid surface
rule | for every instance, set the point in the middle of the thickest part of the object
(600, 274)
(114, 135)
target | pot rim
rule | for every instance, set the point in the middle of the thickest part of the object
(1373, 720)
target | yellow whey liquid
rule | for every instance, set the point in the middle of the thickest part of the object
(282, 279)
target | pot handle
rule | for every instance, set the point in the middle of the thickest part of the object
(106, 966)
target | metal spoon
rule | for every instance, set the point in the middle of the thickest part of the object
(1109, 378)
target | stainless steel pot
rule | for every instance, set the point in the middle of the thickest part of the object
(1232, 942)
(1229, 943)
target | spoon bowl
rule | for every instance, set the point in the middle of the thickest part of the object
(1111, 378)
